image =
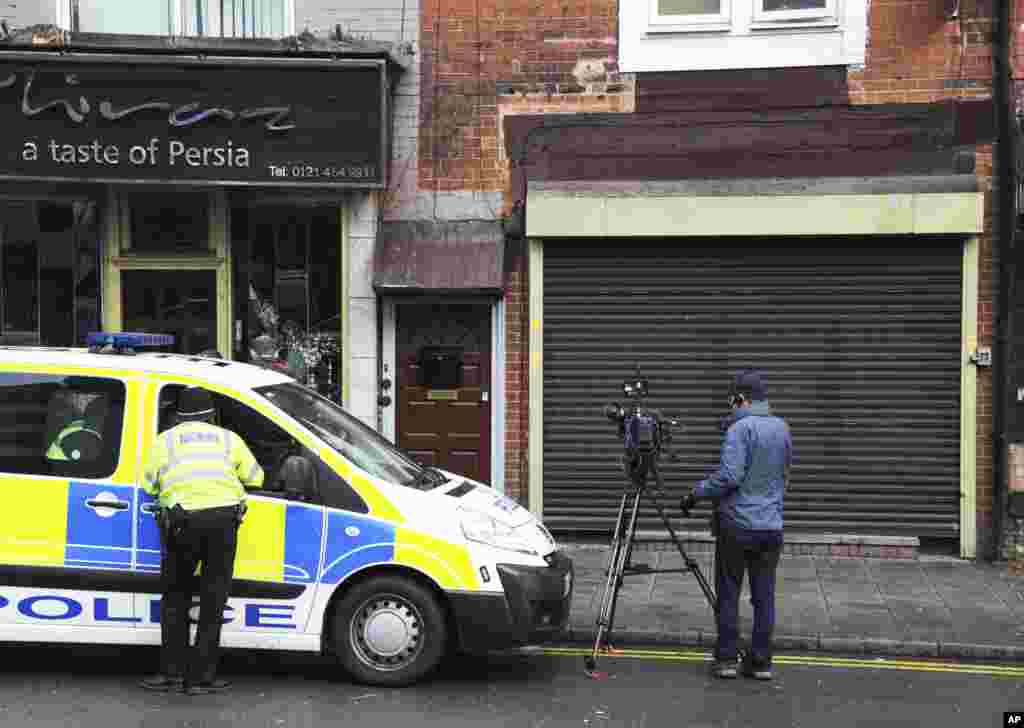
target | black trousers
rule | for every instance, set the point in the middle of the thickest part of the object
(756, 553)
(210, 538)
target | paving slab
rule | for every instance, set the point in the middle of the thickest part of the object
(901, 607)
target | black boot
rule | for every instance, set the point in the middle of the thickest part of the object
(205, 688)
(162, 683)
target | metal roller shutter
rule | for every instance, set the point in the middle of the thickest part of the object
(859, 341)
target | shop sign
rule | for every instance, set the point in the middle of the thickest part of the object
(274, 125)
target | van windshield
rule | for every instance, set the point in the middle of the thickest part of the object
(356, 442)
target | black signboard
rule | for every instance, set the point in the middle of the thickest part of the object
(224, 122)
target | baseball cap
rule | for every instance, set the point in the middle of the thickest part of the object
(750, 383)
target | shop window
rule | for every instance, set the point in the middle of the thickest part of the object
(287, 291)
(203, 18)
(49, 273)
(66, 426)
(170, 224)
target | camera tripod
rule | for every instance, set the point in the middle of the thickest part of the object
(619, 562)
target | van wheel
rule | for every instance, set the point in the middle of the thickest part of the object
(389, 631)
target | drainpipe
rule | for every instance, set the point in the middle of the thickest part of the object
(1002, 379)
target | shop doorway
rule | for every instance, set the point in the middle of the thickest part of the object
(444, 386)
(181, 303)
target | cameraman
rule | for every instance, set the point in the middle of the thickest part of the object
(749, 484)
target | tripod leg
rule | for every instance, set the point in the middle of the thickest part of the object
(611, 575)
(619, 560)
(626, 558)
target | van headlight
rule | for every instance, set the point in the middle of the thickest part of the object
(546, 535)
(483, 529)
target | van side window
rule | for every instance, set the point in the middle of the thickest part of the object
(61, 425)
(269, 443)
(273, 448)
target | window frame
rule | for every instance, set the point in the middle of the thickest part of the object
(745, 42)
(662, 23)
(771, 18)
(64, 11)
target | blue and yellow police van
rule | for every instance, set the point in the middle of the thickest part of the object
(350, 549)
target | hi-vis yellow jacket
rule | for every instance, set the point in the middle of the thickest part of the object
(200, 465)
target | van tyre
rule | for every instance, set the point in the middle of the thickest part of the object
(389, 631)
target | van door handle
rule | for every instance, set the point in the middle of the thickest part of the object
(117, 505)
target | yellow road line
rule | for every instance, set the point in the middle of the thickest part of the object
(879, 663)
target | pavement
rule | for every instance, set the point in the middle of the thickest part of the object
(923, 607)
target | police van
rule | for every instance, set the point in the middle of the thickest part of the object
(360, 553)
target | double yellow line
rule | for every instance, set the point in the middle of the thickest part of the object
(880, 663)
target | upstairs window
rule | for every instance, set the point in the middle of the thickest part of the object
(781, 11)
(197, 18)
(670, 15)
(718, 35)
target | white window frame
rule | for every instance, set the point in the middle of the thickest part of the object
(828, 14)
(721, 20)
(62, 12)
(834, 36)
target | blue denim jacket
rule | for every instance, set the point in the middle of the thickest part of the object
(751, 477)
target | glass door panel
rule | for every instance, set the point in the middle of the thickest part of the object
(181, 303)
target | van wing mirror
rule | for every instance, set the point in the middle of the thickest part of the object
(298, 478)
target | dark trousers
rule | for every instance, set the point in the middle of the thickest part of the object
(757, 553)
(210, 538)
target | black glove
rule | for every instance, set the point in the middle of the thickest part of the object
(687, 503)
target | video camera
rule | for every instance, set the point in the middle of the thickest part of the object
(645, 433)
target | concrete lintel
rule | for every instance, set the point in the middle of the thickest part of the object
(756, 186)
(551, 214)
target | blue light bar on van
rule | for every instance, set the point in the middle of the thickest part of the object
(124, 340)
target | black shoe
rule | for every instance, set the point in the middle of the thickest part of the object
(162, 683)
(205, 688)
(724, 669)
(757, 670)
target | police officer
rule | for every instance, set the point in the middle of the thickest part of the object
(81, 439)
(198, 471)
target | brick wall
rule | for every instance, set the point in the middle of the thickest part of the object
(1013, 544)
(482, 59)
(517, 312)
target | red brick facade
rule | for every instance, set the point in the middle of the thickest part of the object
(485, 58)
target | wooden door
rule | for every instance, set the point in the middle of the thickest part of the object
(444, 386)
